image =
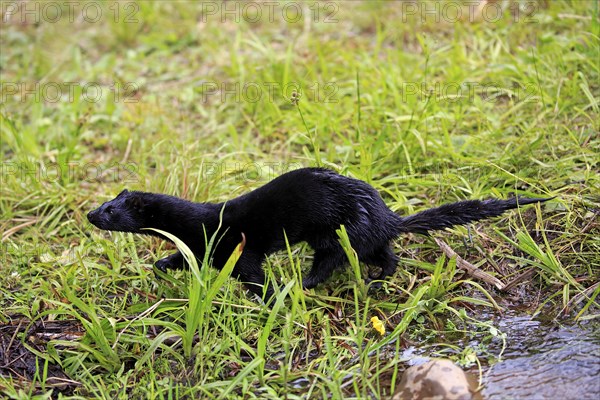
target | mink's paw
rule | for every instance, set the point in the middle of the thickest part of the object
(374, 286)
(163, 265)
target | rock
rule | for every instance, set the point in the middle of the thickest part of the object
(434, 380)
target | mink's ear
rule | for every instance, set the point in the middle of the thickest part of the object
(134, 203)
(123, 193)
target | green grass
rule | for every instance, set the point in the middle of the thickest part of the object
(427, 112)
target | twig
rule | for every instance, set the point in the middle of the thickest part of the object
(467, 266)
(525, 275)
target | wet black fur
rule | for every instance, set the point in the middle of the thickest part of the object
(308, 204)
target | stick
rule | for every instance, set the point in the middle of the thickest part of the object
(467, 266)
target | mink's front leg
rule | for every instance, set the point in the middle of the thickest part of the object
(174, 261)
(249, 270)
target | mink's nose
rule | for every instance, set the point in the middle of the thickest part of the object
(91, 216)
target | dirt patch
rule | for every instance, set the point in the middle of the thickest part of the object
(20, 340)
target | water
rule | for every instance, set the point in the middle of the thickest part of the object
(546, 361)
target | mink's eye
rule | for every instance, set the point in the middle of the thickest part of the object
(109, 210)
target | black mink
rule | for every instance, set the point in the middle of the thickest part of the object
(307, 204)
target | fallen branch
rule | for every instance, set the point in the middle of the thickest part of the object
(467, 266)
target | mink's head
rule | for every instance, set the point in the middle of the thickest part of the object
(124, 213)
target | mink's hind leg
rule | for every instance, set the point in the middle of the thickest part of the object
(383, 258)
(249, 270)
(325, 261)
(174, 261)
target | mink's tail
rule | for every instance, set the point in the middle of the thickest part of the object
(460, 213)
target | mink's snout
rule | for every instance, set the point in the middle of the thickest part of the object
(92, 216)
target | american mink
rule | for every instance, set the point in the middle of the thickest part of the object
(307, 204)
